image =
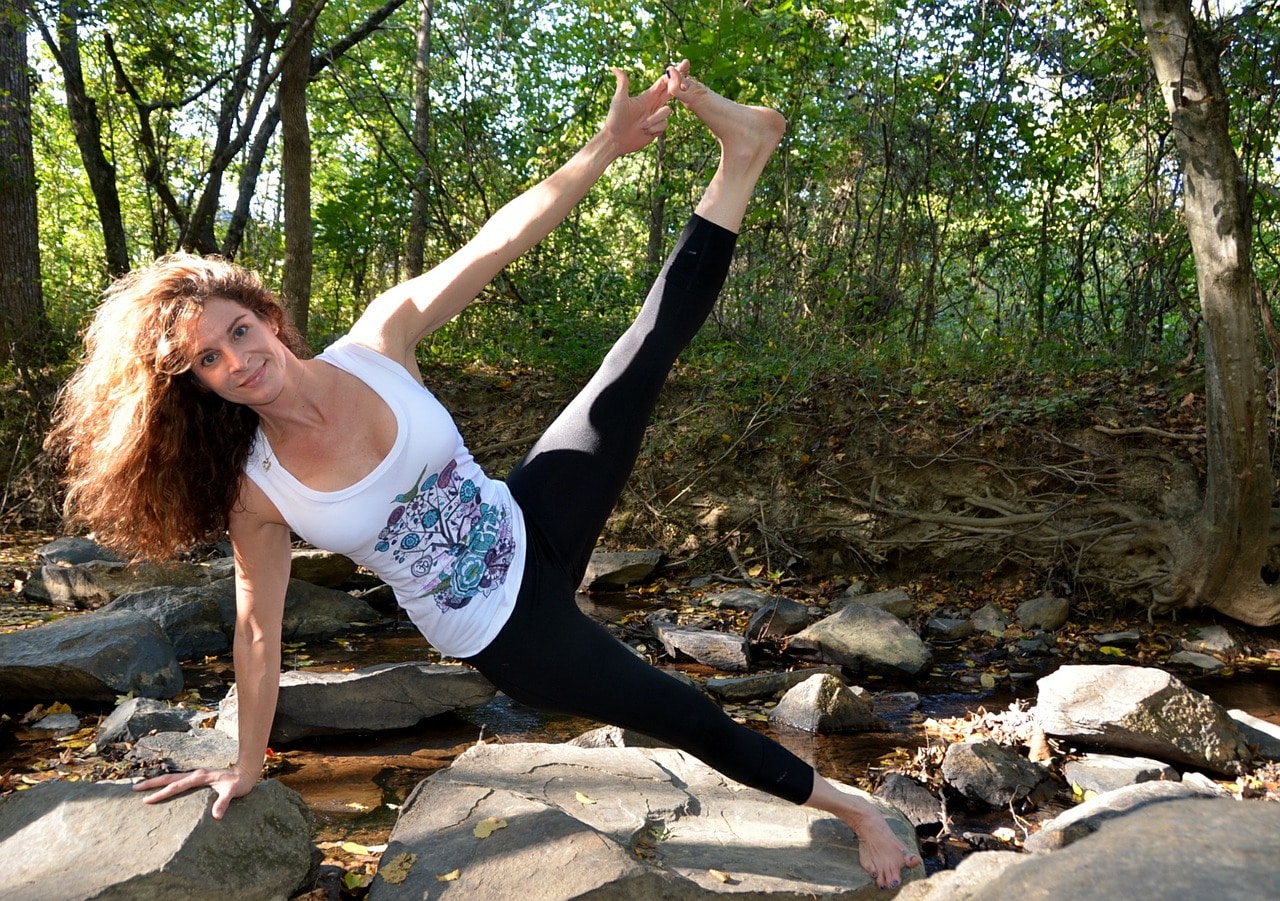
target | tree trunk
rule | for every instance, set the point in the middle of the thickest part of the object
(87, 128)
(1220, 563)
(415, 244)
(23, 329)
(296, 163)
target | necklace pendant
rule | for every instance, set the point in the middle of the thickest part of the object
(266, 465)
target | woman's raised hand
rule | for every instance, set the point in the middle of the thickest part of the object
(633, 122)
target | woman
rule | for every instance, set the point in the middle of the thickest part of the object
(232, 429)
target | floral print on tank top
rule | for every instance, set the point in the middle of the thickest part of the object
(459, 546)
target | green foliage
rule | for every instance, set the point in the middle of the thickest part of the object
(979, 184)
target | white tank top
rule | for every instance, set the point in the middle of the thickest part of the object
(448, 539)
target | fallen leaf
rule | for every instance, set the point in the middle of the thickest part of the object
(396, 870)
(720, 875)
(448, 877)
(583, 799)
(354, 848)
(488, 826)
(354, 881)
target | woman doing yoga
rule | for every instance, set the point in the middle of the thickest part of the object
(193, 412)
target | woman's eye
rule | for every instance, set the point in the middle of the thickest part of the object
(208, 359)
(240, 331)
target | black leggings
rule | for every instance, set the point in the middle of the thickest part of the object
(549, 654)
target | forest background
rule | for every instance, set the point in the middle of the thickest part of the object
(977, 319)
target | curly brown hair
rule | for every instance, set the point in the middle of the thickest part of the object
(153, 459)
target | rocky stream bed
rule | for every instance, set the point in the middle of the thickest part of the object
(1004, 727)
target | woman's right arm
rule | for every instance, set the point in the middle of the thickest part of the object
(261, 542)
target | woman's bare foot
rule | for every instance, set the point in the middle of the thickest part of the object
(748, 136)
(880, 852)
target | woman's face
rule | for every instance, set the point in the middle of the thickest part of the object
(237, 355)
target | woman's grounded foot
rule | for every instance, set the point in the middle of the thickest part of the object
(747, 134)
(880, 852)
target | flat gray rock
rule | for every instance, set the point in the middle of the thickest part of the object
(68, 841)
(376, 698)
(1106, 772)
(959, 884)
(763, 686)
(633, 824)
(1257, 731)
(1087, 818)
(1188, 850)
(717, 649)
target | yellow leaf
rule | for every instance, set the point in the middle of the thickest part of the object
(57, 707)
(448, 877)
(396, 870)
(488, 826)
(583, 799)
(988, 680)
(720, 875)
(1110, 651)
(354, 848)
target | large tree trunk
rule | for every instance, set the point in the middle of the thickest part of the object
(87, 128)
(415, 243)
(296, 162)
(1221, 562)
(23, 329)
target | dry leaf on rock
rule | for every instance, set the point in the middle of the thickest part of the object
(396, 870)
(488, 826)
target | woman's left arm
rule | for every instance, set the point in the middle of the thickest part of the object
(399, 318)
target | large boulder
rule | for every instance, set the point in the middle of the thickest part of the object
(1222, 849)
(864, 639)
(67, 841)
(823, 703)
(1142, 710)
(555, 821)
(616, 569)
(1088, 817)
(376, 698)
(94, 657)
(984, 770)
(200, 620)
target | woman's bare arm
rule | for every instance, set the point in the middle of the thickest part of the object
(262, 554)
(398, 319)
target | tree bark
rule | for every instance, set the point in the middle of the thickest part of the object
(296, 162)
(415, 243)
(23, 328)
(1220, 563)
(87, 128)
